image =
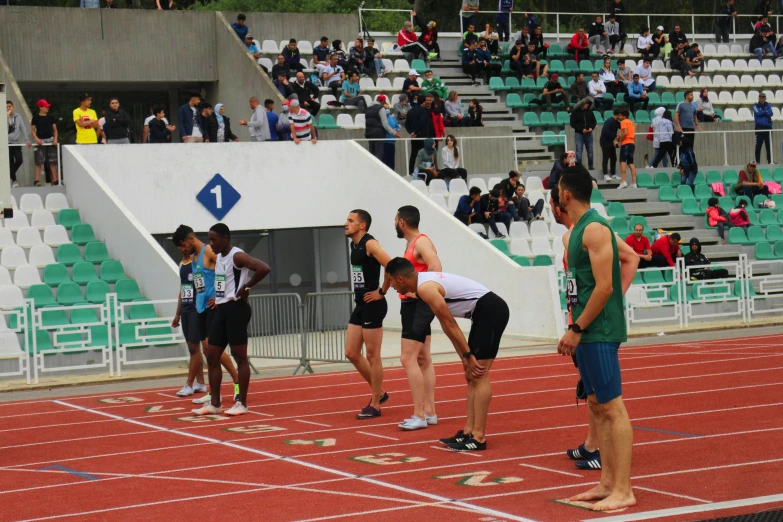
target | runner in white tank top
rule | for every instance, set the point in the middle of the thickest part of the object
(447, 296)
(232, 315)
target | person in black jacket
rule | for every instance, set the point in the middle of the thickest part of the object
(419, 125)
(283, 85)
(608, 151)
(209, 124)
(224, 125)
(377, 126)
(160, 132)
(490, 213)
(307, 93)
(292, 56)
(583, 122)
(617, 8)
(116, 123)
(696, 258)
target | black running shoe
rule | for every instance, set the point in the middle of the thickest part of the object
(368, 412)
(458, 438)
(592, 463)
(385, 397)
(468, 445)
(581, 453)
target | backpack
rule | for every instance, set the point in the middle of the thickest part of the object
(315, 80)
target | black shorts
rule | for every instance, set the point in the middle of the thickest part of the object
(416, 320)
(369, 315)
(490, 318)
(229, 327)
(205, 320)
(41, 154)
(190, 326)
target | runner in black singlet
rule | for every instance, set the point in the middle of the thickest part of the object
(365, 326)
(186, 312)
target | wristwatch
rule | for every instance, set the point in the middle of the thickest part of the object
(380, 291)
(465, 355)
(575, 328)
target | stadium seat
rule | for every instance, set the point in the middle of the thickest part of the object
(453, 202)
(359, 120)
(42, 219)
(82, 234)
(534, 183)
(41, 295)
(5, 278)
(40, 256)
(737, 236)
(762, 251)
(519, 230)
(600, 209)
(26, 276)
(13, 256)
(438, 186)
(141, 309)
(326, 121)
(702, 191)
(542, 260)
(401, 65)
(6, 238)
(56, 235)
(616, 209)
(69, 293)
(10, 298)
(666, 194)
(18, 221)
(478, 182)
(774, 234)
(127, 290)
(439, 200)
(83, 273)
(495, 180)
(520, 260)
(420, 185)
(83, 315)
(756, 235)
(54, 274)
(684, 192)
(270, 46)
(767, 217)
(539, 229)
(690, 207)
(68, 217)
(513, 101)
(644, 180)
(28, 237)
(597, 197)
(96, 291)
(501, 245)
(541, 246)
(68, 254)
(638, 220)
(714, 176)
(96, 252)
(620, 226)
(30, 202)
(345, 121)
(496, 84)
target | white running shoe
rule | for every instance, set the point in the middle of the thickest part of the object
(236, 410)
(199, 388)
(634, 186)
(607, 178)
(414, 423)
(15, 184)
(615, 176)
(208, 409)
(186, 391)
(206, 399)
(622, 185)
(431, 421)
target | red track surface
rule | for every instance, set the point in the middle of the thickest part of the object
(707, 422)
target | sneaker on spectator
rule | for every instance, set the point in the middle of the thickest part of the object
(482, 234)
(615, 176)
(607, 177)
(622, 185)
(15, 184)
(37, 183)
(500, 236)
(633, 186)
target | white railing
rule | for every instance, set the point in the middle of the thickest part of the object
(765, 287)
(716, 298)
(660, 289)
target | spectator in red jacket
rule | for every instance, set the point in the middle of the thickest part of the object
(579, 45)
(666, 250)
(641, 246)
(409, 43)
(717, 217)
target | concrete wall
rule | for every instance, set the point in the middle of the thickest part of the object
(288, 186)
(302, 26)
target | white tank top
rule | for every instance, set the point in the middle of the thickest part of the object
(228, 278)
(462, 293)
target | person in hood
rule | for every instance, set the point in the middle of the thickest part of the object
(377, 126)
(762, 117)
(717, 217)
(583, 122)
(695, 258)
(116, 124)
(17, 135)
(427, 161)
(739, 215)
(750, 182)
(663, 129)
(224, 133)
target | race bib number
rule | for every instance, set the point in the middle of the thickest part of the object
(186, 291)
(357, 276)
(220, 285)
(198, 282)
(571, 292)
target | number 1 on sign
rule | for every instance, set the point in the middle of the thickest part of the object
(218, 192)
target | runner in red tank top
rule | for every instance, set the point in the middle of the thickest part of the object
(415, 351)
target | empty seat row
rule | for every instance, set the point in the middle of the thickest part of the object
(40, 256)
(31, 202)
(439, 186)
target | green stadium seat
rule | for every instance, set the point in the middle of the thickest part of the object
(82, 234)
(96, 252)
(500, 244)
(777, 174)
(540, 84)
(702, 191)
(643, 117)
(653, 276)
(635, 220)
(506, 69)
(69, 254)
(667, 99)
(747, 200)
(726, 203)
(620, 99)
(128, 334)
(571, 66)
(637, 279)
(763, 251)
(41, 295)
(513, 101)
(778, 199)
(68, 217)
(542, 260)
(521, 260)
(679, 97)
(496, 84)
(620, 226)
(719, 114)
(662, 179)
(684, 192)
(83, 315)
(737, 236)
(563, 118)
(599, 119)
(756, 235)
(530, 119)
(83, 273)
(644, 180)
(667, 194)
(586, 66)
(99, 336)
(608, 114)
(51, 318)
(326, 121)
(549, 139)
(690, 207)
(754, 218)
(527, 99)
(685, 249)
(774, 233)
(779, 250)
(96, 292)
(548, 120)
(55, 273)
(616, 209)
(730, 177)
(512, 83)
(713, 176)
(69, 294)
(128, 290)
(112, 271)
(556, 50)
(767, 217)
(654, 98)
(699, 179)
(528, 84)
(597, 197)
(43, 342)
(419, 65)
(142, 310)
(758, 200)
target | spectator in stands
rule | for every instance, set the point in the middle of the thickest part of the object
(377, 126)
(739, 215)
(333, 76)
(373, 61)
(750, 182)
(506, 207)
(17, 135)
(636, 94)
(579, 45)
(469, 10)
(408, 42)
(258, 124)
(624, 74)
(450, 156)
(437, 111)
(469, 206)
(426, 161)
(429, 39)
(717, 217)
(283, 123)
(696, 258)
(491, 38)
(293, 56)
(686, 121)
(704, 109)
(762, 117)
(579, 90)
(342, 58)
(641, 246)
(272, 119)
(763, 41)
(209, 124)
(608, 147)
(598, 37)
(282, 84)
(434, 85)
(723, 22)
(302, 127)
(527, 211)
(401, 108)
(306, 93)
(677, 59)
(644, 45)
(117, 124)
(454, 114)
(553, 92)
(321, 56)
(677, 36)
(509, 185)
(280, 68)
(159, 130)
(239, 26)
(254, 51)
(644, 70)
(764, 9)
(490, 213)
(356, 57)
(224, 133)
(469, 36)
(688, 167)
(389, 147)
(503, 19)
(352, 94)
(541, 47)
(557, 171)
(471, 63)
(663, 128)
(779, 46)
(605, 75)
(188, 120)
(525, 36)
(419, 125)
(616, 37)
(475, 114)
(583, 122)
(520, 62)
(659, 42)
(44, 132)
(694, 59)
(597, 88)
(485, 58)
(616, 10)
(86, 121)
(411, 86)
(627, 143)
(531, 23)
(668, 248)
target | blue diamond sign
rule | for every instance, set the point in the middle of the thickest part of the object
(218, 196)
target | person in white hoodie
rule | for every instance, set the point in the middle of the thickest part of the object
(258, 125)
(662, 141)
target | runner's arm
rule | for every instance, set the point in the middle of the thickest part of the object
(428, 254)
(375, 251)
(259, 268)
(629, 262)
(597, 240)
(210, 257)
(175, 321)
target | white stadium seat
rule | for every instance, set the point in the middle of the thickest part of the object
(519, 246)
(30, 202)
(5, 277)
(558, 230)
(366, 83)
(736, 50)
(266, 62)
(401, 64)
(439, 199)
(458, 186)
(726, 65)
(733, 80)
(769, 94)
(542, 246)
(397, 83)
(705, 81)
(345, 121)
(773, 80)
(710, 50)
(359, 121)
(478, 182)
(534, 183)
(752, 96)
(760, 80)
(539, 229)
(305, 47)
(55, 235)
(383, 84)
(741, 65)
(387, 63)
(754, 65)
(491, 182)
(325, 99)
(6, 238)
(630, 64)
(438, 186)
(13, 256)
(739, 98)
(718, 79)
(713, 64)
(453, 202)
(779, 96)
(478, 228)
(270, 46)
(744, 114)
(56, 201)
(731, 114)
(18, 221)
(746, 79)
(519, 230)
(725, 97)
(25, 276)
(534, 195)
(657, 66)
(677, 81)
(28, 237)
(662, 81)
(42, 219)
(502, 228)
(558, 248)
(691, 81)
(419, 185)
(724, 50)
(41, 255)
(775, 114)
(599, 208)
(11, 297)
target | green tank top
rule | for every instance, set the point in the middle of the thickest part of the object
(609, 325)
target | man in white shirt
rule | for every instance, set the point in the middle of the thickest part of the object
(644, 70)
(597, 90)
(258, 125)
(333, 75)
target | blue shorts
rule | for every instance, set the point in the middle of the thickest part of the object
(599, 368)
(626, 153)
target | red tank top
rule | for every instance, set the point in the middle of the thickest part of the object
(410, 255)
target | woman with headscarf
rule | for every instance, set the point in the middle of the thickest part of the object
(342, 59)
(450, 157)
(662, 139)
(224, 133)
(427, 161)
(696, 258)
(705, 111)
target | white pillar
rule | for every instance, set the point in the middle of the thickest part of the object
(5, 173)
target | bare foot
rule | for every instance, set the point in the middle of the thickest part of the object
(599, 492)
(615, 501)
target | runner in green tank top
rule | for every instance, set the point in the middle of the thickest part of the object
(594, 288)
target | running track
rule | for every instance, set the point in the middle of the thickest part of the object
(707, 418)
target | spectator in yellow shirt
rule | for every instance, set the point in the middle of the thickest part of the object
(86, 121)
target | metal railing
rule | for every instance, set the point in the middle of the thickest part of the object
(276, 326)
(764, 287)
(654, 294)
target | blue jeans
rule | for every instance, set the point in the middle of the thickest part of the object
(586, 140)
(512, 209)
(688, 179)
(769, 46)
(655, 153)
(378, 62)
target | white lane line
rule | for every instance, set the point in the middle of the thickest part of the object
(167, 396)
(553, 470)
(700, 508)
(314, 423)
(325, 469)
(262, 414)
(669, 493)
(468, 453)
(376, 435)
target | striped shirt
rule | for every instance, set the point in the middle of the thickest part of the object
(301, 121)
